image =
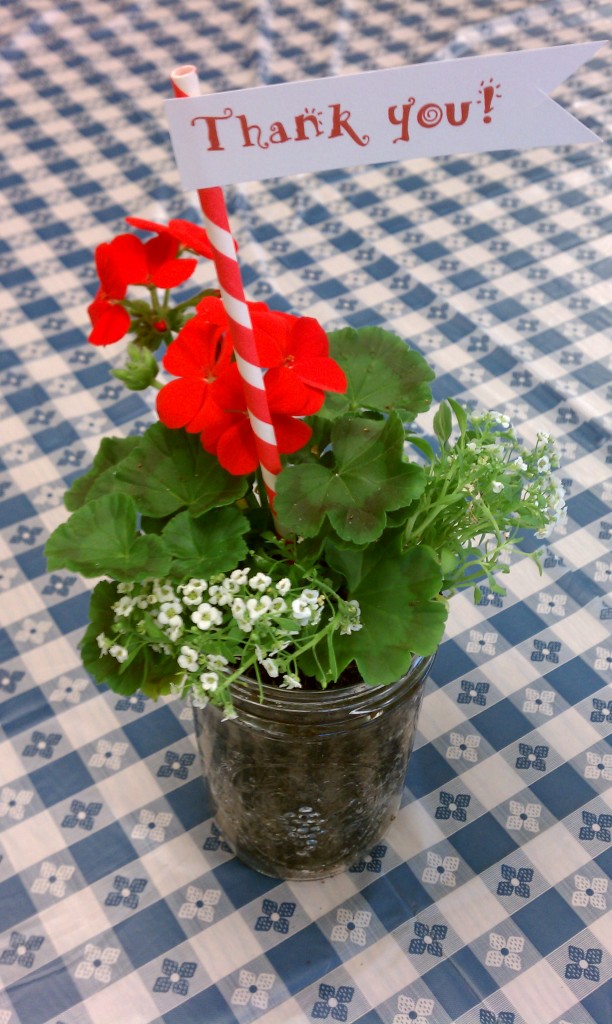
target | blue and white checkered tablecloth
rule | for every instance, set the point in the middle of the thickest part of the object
(488, 900)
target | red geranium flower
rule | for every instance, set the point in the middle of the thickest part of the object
(111, 321)
(189, 235)
(199, 353)
(227, 432)
(300, 365)
(295, 351)
(125, 261)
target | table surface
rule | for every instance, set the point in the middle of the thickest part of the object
(487, 902)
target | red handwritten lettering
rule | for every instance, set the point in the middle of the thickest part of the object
(211, 127)
(402, 121)
(340, 124)
(246, 133)
(451, 113)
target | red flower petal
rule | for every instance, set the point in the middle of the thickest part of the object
(321, 373)
(307, 338)
(159, 250)
(112, 283)
(291, 434)
(236, 449)
(199, 350)
(147, 225)
(172, 273)
(289, 395)
(111, 323)
(128, 261)
(180, 401)
(191, 236)
(212, 311)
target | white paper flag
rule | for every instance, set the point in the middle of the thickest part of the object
(470, 105)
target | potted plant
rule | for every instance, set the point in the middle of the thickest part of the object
(302, 634)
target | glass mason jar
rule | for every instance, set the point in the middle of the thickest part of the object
(303, 783)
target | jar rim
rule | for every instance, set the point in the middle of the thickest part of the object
(358, 700)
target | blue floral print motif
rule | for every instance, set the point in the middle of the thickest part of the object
(176, 765)
(134, 703)
(372, 862)
(514, 883)
(452, 806)
(59, 585)
(532, 757)
(543, 651)
(81, 815)
(488, 1017)
(428, 940)
(583, 963)
(332, 1002)
(602, 710)
(216, 841)
(21, 949)
(596, 827)
(41, 745)
(9, 680)
(489, 597)
(125, 891)
(275, 916)
(473, 693)
(175, 977)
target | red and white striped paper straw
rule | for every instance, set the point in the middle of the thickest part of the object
(185, 82)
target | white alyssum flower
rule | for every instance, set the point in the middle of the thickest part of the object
(118, 652)
(103, 643)
(191, 592)
(270, 667)
(216, 662)
(239, 576)
(163, 592)
(206, 616)
(209, 681)
(283, 586)
(497, 487)
(124, 606)
(290, 683)
(260, 581)
(170, 613)
(256, 607)
(302, 611)
(188, 659)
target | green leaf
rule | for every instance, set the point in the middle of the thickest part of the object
(140, 370)
(382, 372)
(148, 671)
(169, 470)
(99, 480)
(421, 445)
(369, 479)
(460, 413)
(212, 543)
(401, 612)
(443, 423)
(347, 561)
(100, 539)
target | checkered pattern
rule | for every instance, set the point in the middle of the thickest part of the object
(487, 902)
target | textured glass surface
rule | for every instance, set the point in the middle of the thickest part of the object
(303, 783)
